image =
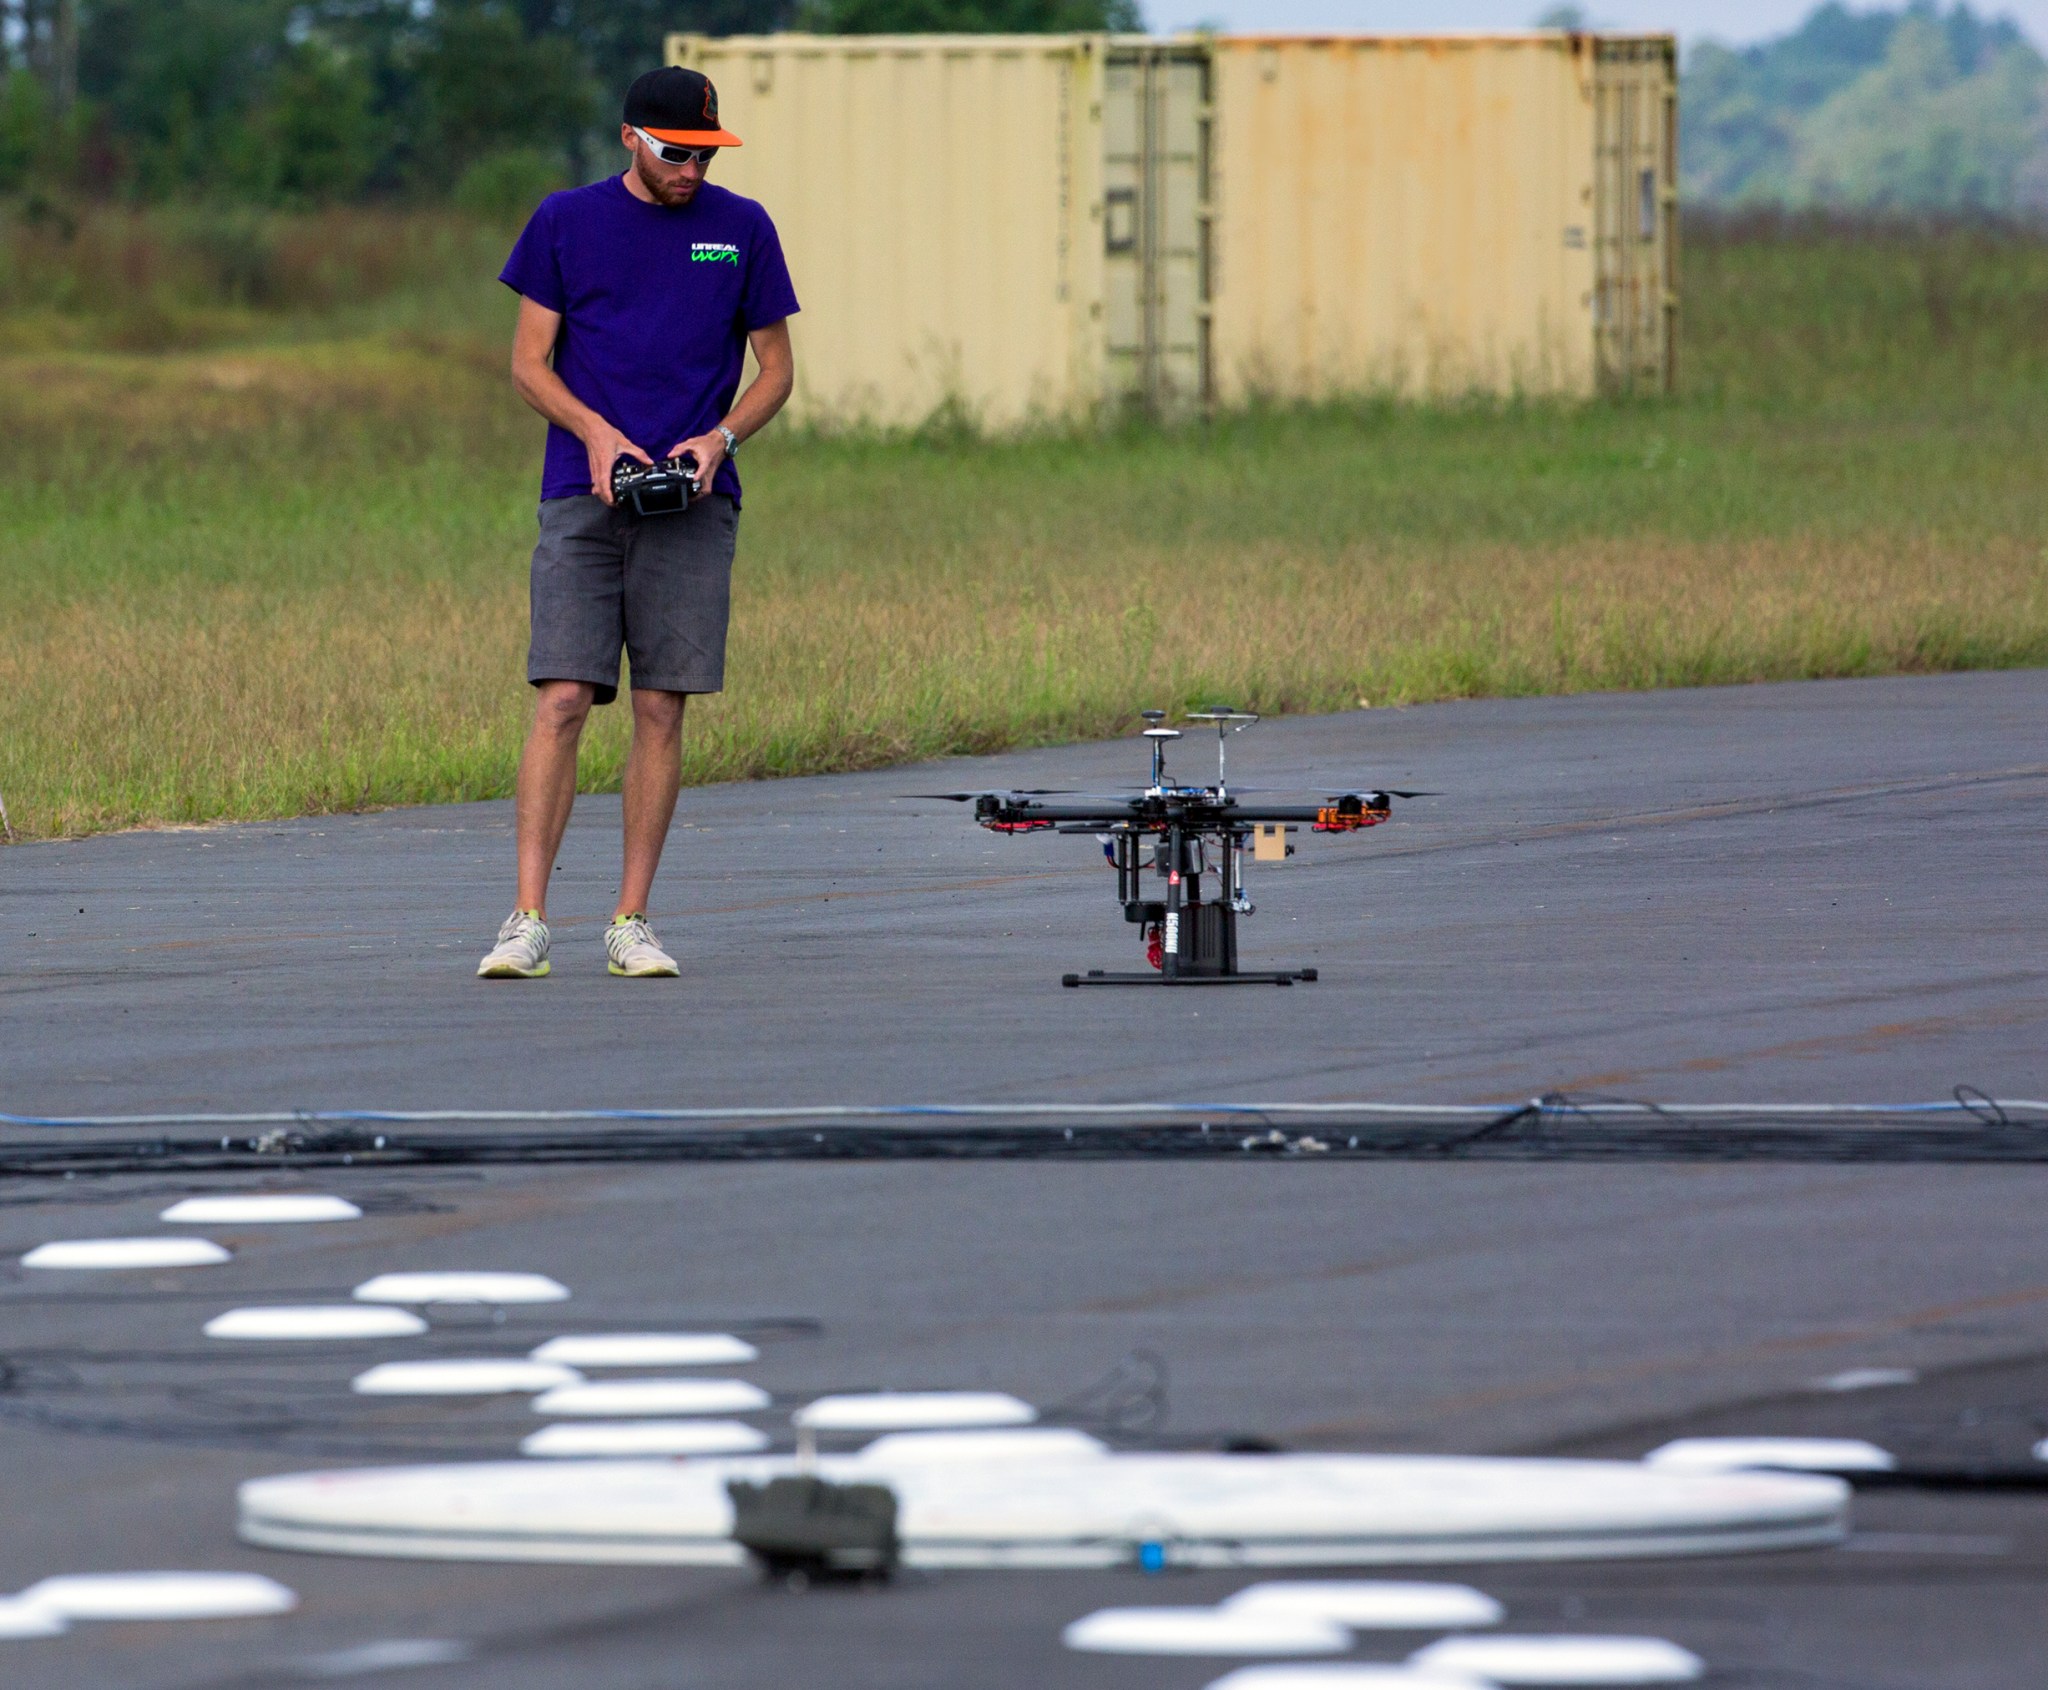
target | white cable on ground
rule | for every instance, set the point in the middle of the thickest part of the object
(1541, 1106)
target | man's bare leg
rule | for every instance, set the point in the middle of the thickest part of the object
(654, 774)
(547, 784)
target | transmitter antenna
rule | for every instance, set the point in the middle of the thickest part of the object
(1229, 720)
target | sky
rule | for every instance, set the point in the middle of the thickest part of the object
(1723, 20)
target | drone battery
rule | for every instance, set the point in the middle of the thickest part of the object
(1206, 940)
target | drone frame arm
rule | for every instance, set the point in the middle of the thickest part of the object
(1346, 813)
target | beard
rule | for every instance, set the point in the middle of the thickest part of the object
(670, 191)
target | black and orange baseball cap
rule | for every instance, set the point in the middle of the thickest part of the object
(678, 106)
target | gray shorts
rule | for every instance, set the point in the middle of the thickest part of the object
(660, 587)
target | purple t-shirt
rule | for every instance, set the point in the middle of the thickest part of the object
(656, 305)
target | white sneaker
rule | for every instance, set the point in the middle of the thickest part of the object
(521, 952)
(629, 943)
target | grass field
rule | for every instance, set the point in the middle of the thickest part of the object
(265, 513)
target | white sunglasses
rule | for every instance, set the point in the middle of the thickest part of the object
(669, 154)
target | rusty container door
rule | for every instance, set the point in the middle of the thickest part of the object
(938, 198)
(1404, 214)
(1156, 226)
(1635, 317)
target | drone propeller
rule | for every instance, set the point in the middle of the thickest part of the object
(1363, 786)
(1130, 794)
(1029, 792)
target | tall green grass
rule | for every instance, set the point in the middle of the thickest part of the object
(186, 277)
(278, 563)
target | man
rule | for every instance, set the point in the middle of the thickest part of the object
(646, 289)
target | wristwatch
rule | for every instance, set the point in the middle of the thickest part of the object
(732, 440)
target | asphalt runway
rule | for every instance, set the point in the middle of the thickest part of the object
(1822, 892)
(1778, 892)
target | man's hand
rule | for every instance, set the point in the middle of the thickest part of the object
(606, 445)
(709, 451)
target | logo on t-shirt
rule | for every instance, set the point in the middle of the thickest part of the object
(714, 252)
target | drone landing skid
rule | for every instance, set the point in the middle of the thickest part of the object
(1098, 977)
(1204, 951)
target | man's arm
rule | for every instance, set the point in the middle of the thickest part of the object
(765, 395)
(533, 374)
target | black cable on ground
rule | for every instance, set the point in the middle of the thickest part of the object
(1555, 1132)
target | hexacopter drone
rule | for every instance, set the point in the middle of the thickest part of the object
(1180, 835)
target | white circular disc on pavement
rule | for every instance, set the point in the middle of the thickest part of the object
(19, 1618)
(160, 1596)
(1564, 1660)
(480, 1376)
(890, 1411)
(1208, 1510)
(648, 1349)
(1033, 1443)
(1204, 1631)
(1789, 1455)
(645, 1437)
(653, 1396)
(1373, 1604)
(126, 1253)
(1343, 1675)
(313, 1322)
(461, 1288)
(260, 1209)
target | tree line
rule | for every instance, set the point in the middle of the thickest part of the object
(303, 102)
(1910, 111)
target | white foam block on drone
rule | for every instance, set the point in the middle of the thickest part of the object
(1334, 1675)
(117, 1253)
(1209, 1510)
(1024, 1443)
(597, 1438)
(314, 1323)
(260, 1209)
(653, 1396)
(1374, 1604)
(160, 1596)
(20, 1618)
(461, 1288)
(479, 1376)
(1564, 1660)
(1204, 1631)
(648, 1349)
(1790, 1455)
(889, 1411)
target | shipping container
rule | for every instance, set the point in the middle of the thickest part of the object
(1025, 228)
(1443, 214)
(1635, 138)
(1157, 235)
(939, 199)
